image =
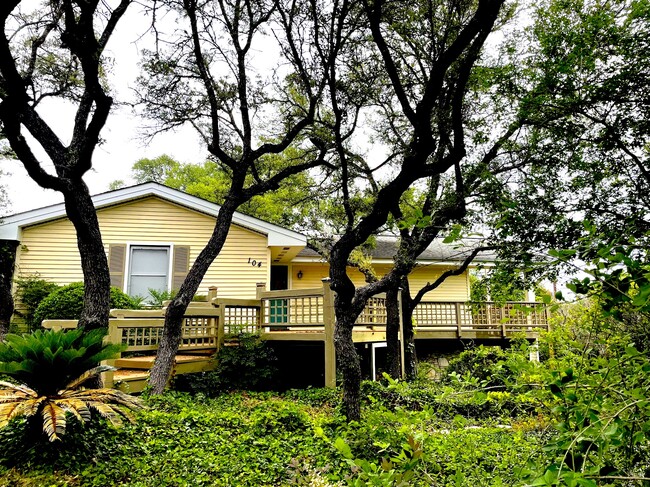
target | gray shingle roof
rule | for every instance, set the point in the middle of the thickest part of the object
(436, 252)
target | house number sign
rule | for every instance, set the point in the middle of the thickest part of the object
(254, 263)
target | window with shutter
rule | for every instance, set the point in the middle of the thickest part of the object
(148, 269)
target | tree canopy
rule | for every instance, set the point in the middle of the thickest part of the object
(585, 155)
(291, 205)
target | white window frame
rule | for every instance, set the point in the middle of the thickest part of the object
(127, 263)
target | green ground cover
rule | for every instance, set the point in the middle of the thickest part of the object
(266, 439)
(578, 418)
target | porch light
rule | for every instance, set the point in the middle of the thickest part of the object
(299, 275)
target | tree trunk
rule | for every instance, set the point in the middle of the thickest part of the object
(347, 361)
(7, 264)
(410, 357)
(393, 358)
(94, 264)
(171, 338)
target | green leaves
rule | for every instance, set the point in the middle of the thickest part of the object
(48, 361)
(67, 302)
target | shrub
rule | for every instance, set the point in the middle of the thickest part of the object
(157, 298)
(49, 360)
(51, 367)
(66, 303)
(485, 364)
(31, 291)
(248, 366)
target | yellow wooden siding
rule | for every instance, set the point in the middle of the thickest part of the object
(50, 249)
(455, 288)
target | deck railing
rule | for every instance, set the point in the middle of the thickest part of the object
(506, 318)
(291, 309)
(309, 315)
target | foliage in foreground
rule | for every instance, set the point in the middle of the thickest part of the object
(18, 400)
(251, 365)
(264, 439)
(49, 360)
(51, 367)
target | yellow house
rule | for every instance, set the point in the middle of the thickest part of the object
(266, 276)
(153, 233)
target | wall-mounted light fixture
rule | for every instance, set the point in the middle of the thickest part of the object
(299, 275)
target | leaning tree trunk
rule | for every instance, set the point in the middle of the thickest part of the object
(171, 338)
(393, 356)
(7, 264)
(94, 264)
(347, 361)
(410, 355)
(393, 352)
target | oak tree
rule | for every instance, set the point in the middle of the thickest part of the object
(207, 77)
(54, 50)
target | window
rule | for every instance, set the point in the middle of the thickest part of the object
(148, 269)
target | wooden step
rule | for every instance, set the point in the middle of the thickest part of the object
(146, 362)
(130, 381)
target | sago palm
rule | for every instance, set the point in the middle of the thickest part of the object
(48, 365)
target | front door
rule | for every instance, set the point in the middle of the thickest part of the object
(278, 308)
(279, 277)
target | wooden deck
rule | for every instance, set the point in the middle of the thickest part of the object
(297, 316)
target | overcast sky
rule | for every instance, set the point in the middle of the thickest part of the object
(122, 147)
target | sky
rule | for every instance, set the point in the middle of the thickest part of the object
(122, 145)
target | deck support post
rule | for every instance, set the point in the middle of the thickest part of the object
(216, 322)
(260, 288)
(330, 322)
(212, 293)
(488, 314)
(459, 321)
(114, 336)
(220, 322)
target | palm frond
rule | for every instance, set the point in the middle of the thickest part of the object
(107, 411)
(78, 408)
(18, 387)
(53, 421)
(89, 374)
(9, 411)
(30, 408)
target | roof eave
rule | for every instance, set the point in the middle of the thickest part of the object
(277, 236)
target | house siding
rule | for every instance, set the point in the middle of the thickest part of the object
(455, 288)
(50, 249)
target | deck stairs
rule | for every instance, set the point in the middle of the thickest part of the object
(132, 373)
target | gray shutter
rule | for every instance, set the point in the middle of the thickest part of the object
(116, 261)
(180, 265)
